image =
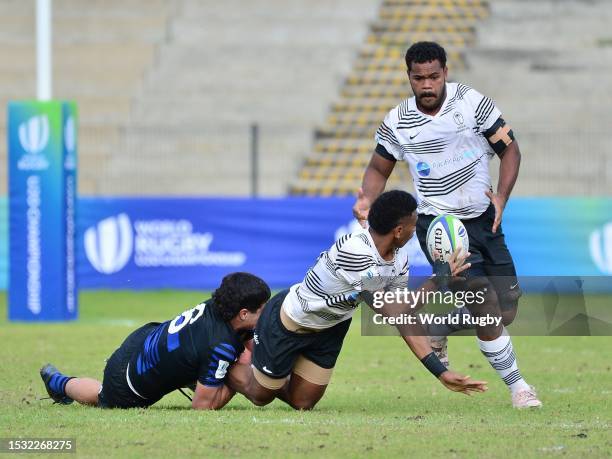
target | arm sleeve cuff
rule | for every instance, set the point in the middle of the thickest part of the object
(382, 151)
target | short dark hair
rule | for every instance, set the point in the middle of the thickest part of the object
(237, 291)
(389, 208)
(425, 51)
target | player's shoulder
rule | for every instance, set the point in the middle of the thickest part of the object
(356, 243)
(463, 93)
(399, 112)
(210, 326)
(217, 335)
(458, 91)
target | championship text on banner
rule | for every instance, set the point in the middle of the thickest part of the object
(42, 200)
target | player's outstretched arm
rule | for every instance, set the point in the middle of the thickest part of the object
(415, 335)
(211, 398)
(374, 180)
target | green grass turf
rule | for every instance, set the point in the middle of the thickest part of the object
(381, 402)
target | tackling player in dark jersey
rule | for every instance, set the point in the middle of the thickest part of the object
(158, 358)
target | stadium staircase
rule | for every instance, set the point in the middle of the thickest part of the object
(378, 82)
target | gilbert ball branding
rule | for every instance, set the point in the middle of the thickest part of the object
(444, 235)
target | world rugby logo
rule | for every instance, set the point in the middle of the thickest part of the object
(109, 244)
(600, 244)
(34, 134)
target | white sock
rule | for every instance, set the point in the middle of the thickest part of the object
(500, 355)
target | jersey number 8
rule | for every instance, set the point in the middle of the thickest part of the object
(186, 318)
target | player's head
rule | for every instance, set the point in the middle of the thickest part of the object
(427, 71)
(241, 296)
(394, 213)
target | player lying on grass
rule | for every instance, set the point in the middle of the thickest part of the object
(300, 332)
(156, 359)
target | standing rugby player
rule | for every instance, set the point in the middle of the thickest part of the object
(448, 133)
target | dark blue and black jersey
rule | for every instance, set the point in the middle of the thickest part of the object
(195, 346)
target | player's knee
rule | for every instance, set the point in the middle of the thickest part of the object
(508, 303)
(303, 404)
(509, 315)
(304, 401)
(261, 401)
(261, 396)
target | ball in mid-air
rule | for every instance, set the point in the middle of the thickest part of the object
(444, 235)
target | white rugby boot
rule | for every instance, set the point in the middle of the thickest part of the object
(526, 398)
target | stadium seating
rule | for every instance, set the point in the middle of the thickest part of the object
(167, 89)
(101, 51)
(376, 84)
(275, 63)
(143, 125)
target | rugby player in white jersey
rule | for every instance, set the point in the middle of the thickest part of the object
(448, 133)
(300, 333)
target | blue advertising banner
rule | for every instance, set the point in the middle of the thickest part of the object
(192, 243)
(3, 243)
(42, 152)
(560, 236)
(138, 243)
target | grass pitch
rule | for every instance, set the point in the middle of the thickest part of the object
(381, 402)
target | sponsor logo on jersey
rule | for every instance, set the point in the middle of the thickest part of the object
(413, 136)
(600, 244)
(423, 169)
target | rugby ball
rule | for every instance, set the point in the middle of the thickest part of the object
(445, 234)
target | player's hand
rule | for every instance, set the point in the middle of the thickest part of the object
(446, 272)
(457, 261)
(499, 202)
(459, 383)
(361, 208)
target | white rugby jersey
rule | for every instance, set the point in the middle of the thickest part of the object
(447, 153)
(331, 290)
